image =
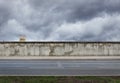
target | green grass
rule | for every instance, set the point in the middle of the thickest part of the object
(63, 79)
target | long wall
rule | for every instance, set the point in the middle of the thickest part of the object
(59, 49)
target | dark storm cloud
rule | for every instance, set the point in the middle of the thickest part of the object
(94, 20)
(74, 10)
(93, 9)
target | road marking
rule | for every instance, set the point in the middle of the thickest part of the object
(59, 64)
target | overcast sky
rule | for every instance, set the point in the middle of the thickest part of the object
(79, 20)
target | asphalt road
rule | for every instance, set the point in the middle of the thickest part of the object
(59, 68)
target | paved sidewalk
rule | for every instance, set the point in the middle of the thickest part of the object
(65, 57)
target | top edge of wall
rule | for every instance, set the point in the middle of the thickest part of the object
(60, 42)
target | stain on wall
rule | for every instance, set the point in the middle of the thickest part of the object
(59, 49)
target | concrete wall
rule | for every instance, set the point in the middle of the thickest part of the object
(59, 49)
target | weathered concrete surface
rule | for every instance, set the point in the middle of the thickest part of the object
(59, 49)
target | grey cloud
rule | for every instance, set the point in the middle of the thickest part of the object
(87, 10)
(98, 29)
(4, 15)
(74, 10)
(59, 19)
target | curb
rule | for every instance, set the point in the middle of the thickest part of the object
(79, 58)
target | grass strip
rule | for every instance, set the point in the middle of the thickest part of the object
(58, 79)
